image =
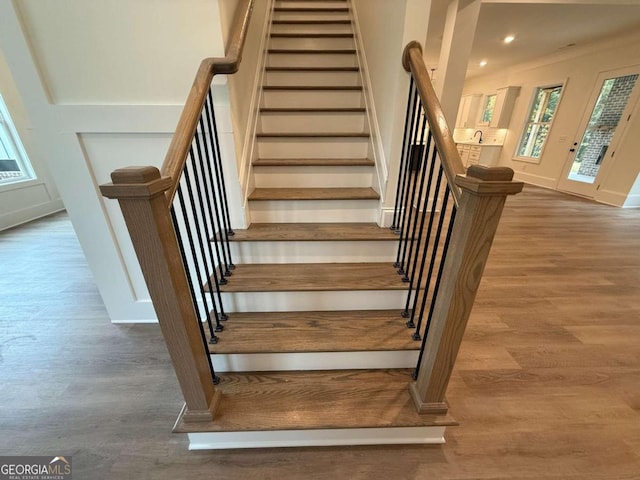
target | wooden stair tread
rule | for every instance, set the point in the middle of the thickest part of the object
(354, 193)
(341, 331)
(312, 51)
(313, 162)
(313, 277)
(311, 22)
(313, 232)
(312, 9)
(312, 87)
(312, 35)
(313, 110)
(313, 135)
(315, 400)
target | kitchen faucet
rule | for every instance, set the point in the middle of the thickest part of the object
(480, 132)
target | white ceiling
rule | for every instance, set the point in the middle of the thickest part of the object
(541, 28)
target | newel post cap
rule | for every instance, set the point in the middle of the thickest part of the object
(135, 182)
(482, 180)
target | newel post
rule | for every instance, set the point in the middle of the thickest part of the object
(484, 191)
(140, 192)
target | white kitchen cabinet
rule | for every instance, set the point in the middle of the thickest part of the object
(505, 101)
(468, 111)
(476, 154)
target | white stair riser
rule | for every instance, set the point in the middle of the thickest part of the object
(313, 252)
(313, 177)
(281, 362)
(313, 148)
(313, 99)
(307, 28)
(316, 79)
(312, 43)
(313, 301)
(312, 60)
(316, 438)
(310, 15)
(319, 211)
(318, 122)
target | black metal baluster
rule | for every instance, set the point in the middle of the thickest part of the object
(194, 257)
(407, 187)
(437, 287)
(414, 201)
(411, 314)
(405, 174)
(220, 225)
(417, 201)
(423, 239)
(443, 257)
(200, 240)
(210, 196)
(434, 254)
(403, 156)
(222, 189)
(176, 227)
(205, 241)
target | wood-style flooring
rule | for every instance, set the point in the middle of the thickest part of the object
(547, 383)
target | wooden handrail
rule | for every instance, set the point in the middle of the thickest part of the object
(413, 62)
(209, 67)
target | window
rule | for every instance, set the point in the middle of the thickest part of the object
(14, 164)
(534, 135)
(487, 109)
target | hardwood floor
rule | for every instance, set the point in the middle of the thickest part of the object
(547, 384)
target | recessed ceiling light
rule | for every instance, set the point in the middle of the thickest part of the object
(483, 63)
(509, 39)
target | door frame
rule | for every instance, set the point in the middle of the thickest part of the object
(589, 190)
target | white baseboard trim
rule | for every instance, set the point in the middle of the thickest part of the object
(537, 180)
(633, 201)
(610, 198)
(386, 216)
(317, 438)
(131, 322)
(26, 215)
(279, 362)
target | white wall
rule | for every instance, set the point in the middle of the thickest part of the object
(103, 84)
(386, 27)
(579, 69)
(243, 87)
(25, 201)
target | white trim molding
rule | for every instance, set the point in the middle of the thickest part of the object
(317, 438)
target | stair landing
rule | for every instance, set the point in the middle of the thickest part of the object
(347, 407)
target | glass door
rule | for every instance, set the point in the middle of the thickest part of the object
(611, 106)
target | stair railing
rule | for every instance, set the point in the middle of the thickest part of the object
(171, 214)
(446, 219)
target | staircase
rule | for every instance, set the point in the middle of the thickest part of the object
(315, 331)
(293, 332)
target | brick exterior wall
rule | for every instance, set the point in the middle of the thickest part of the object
(603, 128)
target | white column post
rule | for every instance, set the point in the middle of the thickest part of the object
(457, 40)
